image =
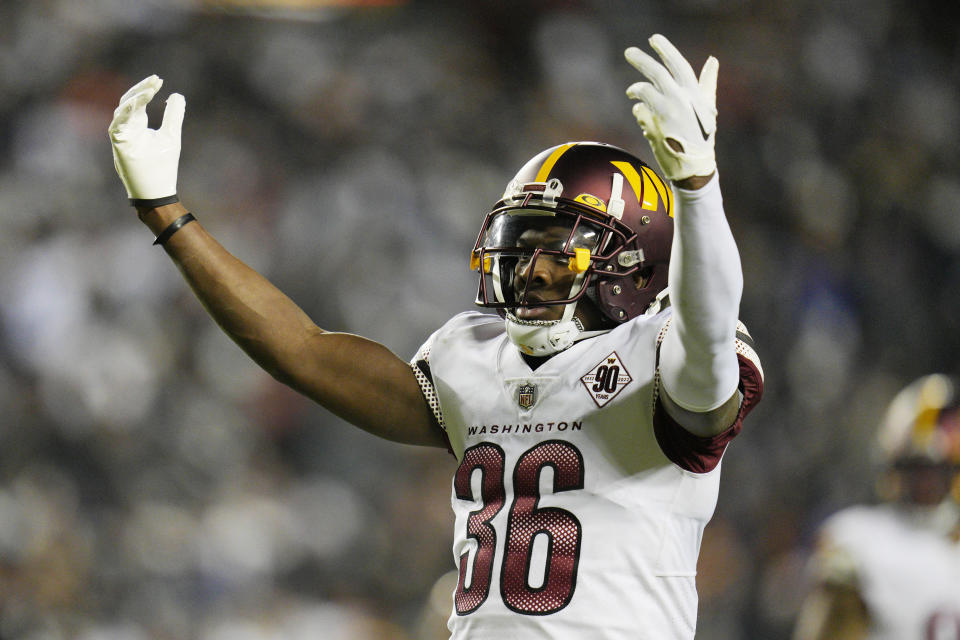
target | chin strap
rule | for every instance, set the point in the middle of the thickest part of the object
(541, 338)
(662, 301)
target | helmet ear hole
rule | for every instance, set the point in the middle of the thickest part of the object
(642, 277)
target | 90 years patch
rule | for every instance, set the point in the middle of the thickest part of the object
(606, 380)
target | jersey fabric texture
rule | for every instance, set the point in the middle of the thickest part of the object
(579, 504)
(908, 575)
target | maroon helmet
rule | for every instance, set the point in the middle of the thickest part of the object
(617, 219)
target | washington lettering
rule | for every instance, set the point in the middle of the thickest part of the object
(527, 427)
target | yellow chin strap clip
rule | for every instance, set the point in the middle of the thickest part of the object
(580, 261)
(475, 262)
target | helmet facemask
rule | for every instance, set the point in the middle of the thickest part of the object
(520, 246)
(535, 258)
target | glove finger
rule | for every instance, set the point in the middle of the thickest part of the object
(173, 117)
(648, 95)
(643, 115)
(637, 88)
(676, 64)
(150, 82)
(129, 119)
(120, 116)
(708, 81)
(653, 70)
(132, 110)
(122, 120)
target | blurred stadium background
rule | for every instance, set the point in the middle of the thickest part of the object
(155, 484)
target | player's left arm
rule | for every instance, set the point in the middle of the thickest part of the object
(699, 368)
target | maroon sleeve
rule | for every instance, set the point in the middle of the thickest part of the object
(701, 454)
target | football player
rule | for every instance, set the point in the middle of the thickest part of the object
(891, 571)
(589, 415)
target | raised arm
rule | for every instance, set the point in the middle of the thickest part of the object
(698, 360)
(355, 378)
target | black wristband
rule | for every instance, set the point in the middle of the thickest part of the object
(153, 203)
(173, 228)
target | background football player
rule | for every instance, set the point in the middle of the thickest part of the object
(892, 570)
(589, 420)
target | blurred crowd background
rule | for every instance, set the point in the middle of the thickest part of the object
(156, 484)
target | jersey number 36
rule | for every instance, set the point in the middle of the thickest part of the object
(525, 522)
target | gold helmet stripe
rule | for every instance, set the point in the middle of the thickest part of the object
(550, 161)
(665, 192)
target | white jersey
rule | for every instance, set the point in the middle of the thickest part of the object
(579, 506)
(908, 576)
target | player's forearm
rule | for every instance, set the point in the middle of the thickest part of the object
(380, 393)
(706, 280)
(699, 364)
(256, 315)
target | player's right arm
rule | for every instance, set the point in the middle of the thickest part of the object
(699, 368)
(355, 378)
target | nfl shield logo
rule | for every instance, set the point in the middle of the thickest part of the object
(526, 395)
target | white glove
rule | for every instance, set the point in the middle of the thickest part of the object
(146, 159)
(676, 106)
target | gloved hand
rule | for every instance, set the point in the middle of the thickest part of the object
(146, 159)
(676, 106)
